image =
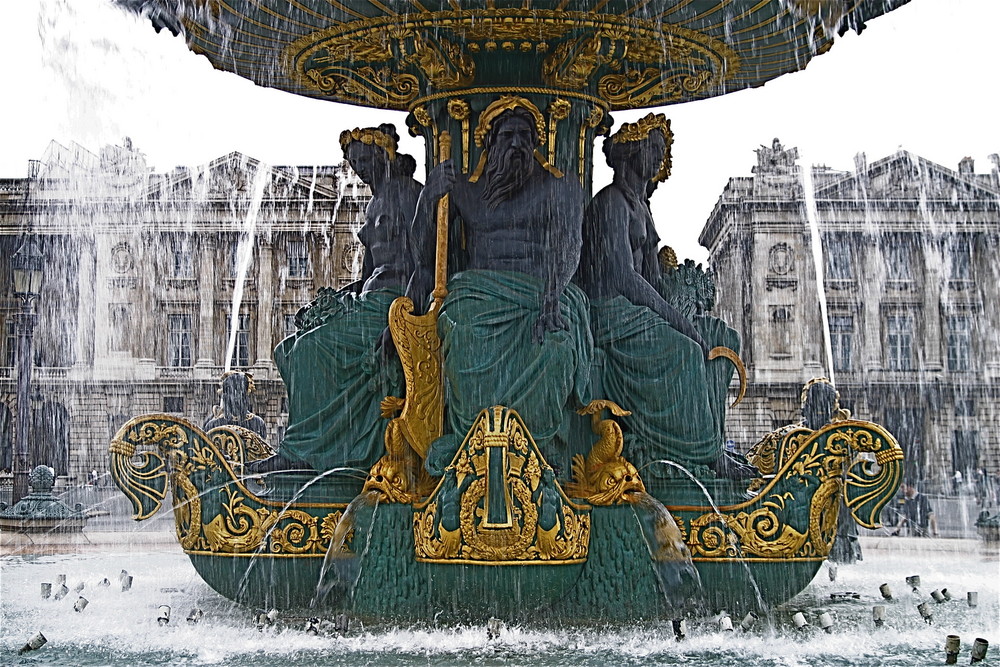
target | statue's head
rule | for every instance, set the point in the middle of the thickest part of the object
(235, 390)
(643, 146)
(820, 403)
(509, 131)
(372, 154)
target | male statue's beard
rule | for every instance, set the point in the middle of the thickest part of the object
(506, 173)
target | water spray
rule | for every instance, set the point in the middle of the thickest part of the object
(952, 644)
(979, 648)
(885, 591)
(35, 643)
(878, 615)
(831, 571)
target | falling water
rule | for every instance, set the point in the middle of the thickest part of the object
(244, 255)
(816, 243)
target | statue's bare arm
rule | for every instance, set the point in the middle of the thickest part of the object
(604, 215)
(423, 232)
(562, 256)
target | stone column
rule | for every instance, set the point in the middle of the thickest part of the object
(932, 340)
(85, 305)
(206, 302)
(870, 326)
(265, 305)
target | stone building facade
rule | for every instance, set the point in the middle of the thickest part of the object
(154, 280)
(911, 284)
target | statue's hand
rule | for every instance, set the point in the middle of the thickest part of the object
(550, 320)
(440, 181)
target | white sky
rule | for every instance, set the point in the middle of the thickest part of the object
(923, 78)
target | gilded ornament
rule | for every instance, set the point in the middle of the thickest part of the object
(371, 60)
(770, 526)
(605, 477)
(499, 502)
(242, 524)
(424, 118)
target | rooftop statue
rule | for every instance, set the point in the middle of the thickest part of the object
(513, 328)
(655, 358)
(333, 366)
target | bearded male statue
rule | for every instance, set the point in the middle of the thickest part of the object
(514, 331)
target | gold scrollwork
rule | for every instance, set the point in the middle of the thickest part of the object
(238, 523)
(440, 45)
(771, 526)
(500, 503)
(637, 88)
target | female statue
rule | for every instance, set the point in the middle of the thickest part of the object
(654, 358)
(334, 368)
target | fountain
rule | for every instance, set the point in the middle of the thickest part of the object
(500, 490)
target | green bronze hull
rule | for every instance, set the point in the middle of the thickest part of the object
(268, 546)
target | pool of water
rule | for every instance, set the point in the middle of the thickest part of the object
(121, 628)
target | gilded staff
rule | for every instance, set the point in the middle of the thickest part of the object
(441, 260)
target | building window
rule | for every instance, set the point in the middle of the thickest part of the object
(959, 343)
(178, 340)
(961, 261)
(288, 320)
(899, 342)
(241, 351)
(838, 259)
(841, 337)
(298, 259)
(174, 404)
(899, 260)
(10, 351)
(183, 258)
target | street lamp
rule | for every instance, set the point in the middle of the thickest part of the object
(26, 265)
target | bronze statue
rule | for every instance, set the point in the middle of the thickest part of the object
(333, 368)
(513, 329)
(234, 407)
(655, 358)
